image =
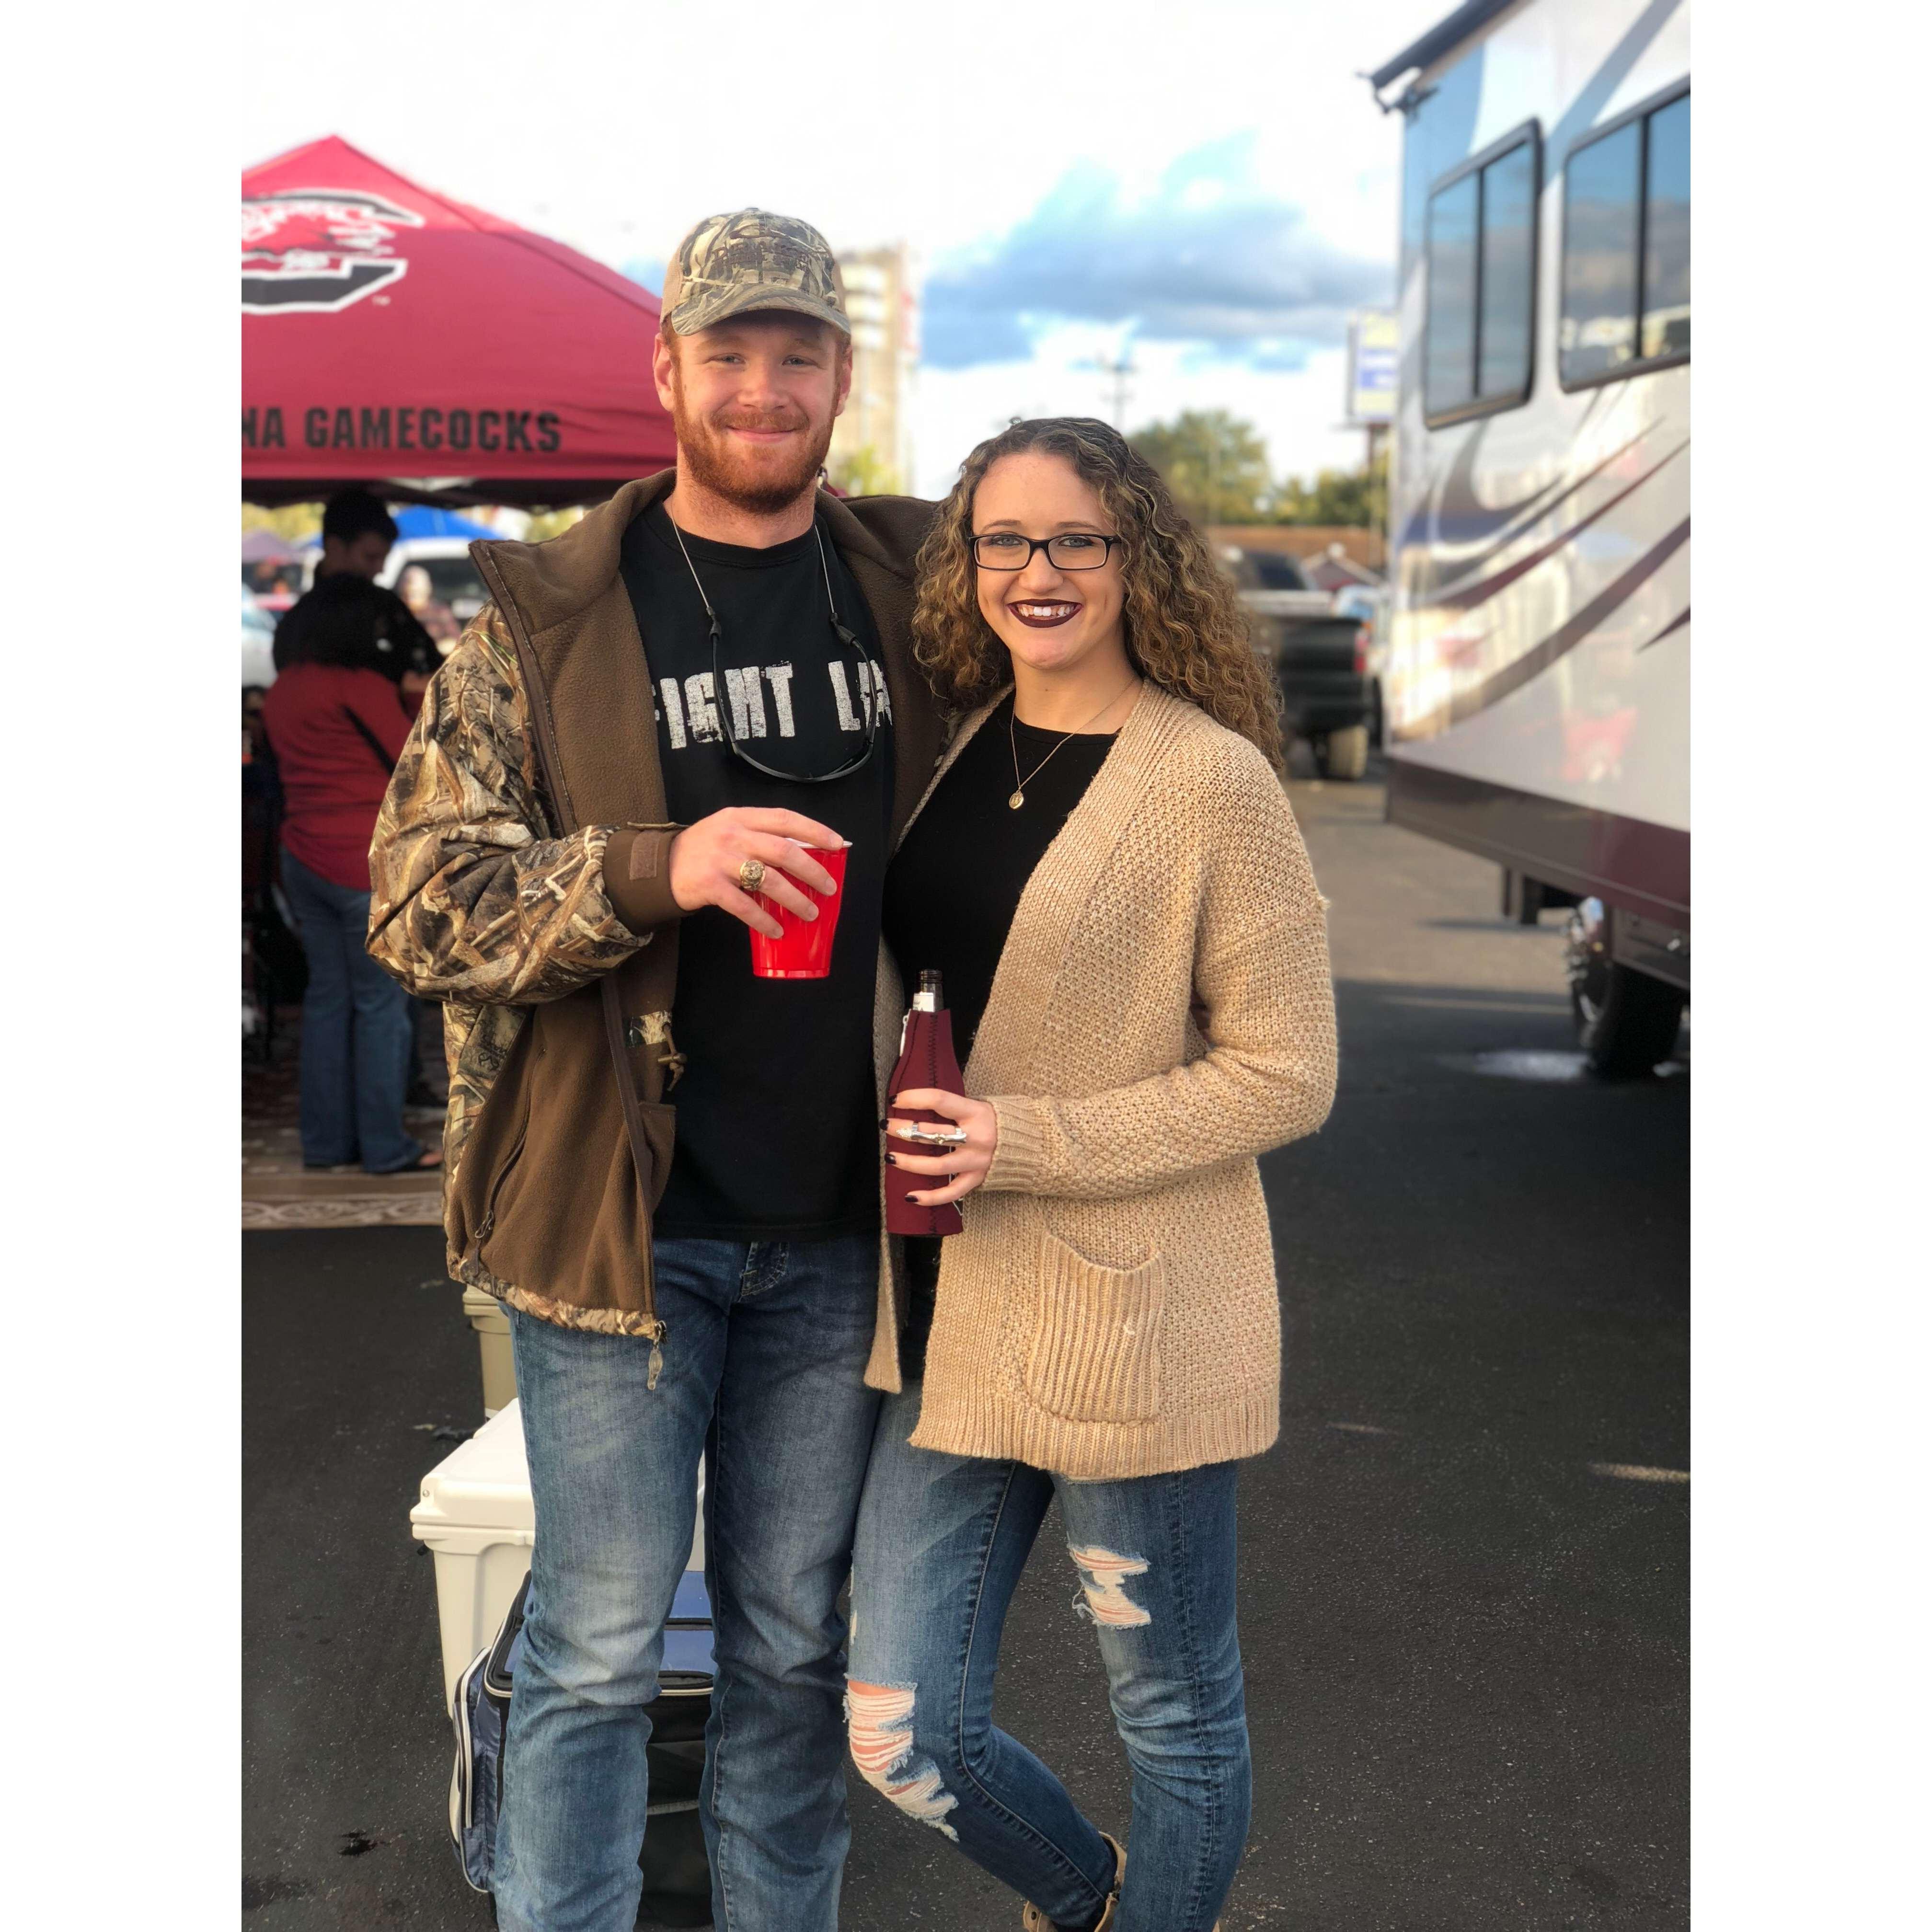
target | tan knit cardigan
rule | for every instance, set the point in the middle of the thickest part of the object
(1161, 1013)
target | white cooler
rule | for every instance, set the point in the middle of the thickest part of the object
(491, 1321)
(476, 1517)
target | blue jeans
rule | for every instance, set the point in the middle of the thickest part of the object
(355, 1033)
(763, 1368)
(942, 1541)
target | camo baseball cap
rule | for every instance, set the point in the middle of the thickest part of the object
(732, 264)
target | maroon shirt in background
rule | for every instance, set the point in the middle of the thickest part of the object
(336, 734)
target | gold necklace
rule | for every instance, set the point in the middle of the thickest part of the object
(1020, 785)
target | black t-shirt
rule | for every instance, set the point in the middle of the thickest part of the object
(956, 881)
(777, 1115)
(953, 888)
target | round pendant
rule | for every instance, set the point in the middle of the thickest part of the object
(1017, 799)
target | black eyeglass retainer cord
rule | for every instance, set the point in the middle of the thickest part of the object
(868, 695)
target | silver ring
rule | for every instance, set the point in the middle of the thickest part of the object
(752, 874)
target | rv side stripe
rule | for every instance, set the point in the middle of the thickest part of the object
(1468, 598)
(1534, 508)
(1539, 657)
(1559, 643)
(1676, 623)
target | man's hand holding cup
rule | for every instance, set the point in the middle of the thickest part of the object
(710, 860)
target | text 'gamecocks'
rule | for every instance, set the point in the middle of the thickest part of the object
(533, 430)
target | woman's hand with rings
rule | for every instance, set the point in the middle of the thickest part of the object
(962, 1164)
(712, 861)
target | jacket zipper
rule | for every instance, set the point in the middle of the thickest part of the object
(489, 1220)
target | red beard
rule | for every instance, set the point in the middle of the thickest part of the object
(760, 480)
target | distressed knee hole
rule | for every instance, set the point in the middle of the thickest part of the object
(878, 1721)
(1103, 1598)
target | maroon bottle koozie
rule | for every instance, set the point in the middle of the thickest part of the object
(926, 1059)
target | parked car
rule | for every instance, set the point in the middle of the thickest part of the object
(1319, 659)
(258, 644)
(1369, 605)
(454, 578)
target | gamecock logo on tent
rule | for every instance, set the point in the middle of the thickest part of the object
(306, 251)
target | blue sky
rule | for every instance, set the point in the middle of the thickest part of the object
(1207, 188)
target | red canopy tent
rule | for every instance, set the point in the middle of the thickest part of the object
(438, 354)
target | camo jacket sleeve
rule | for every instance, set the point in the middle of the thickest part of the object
(474, 895)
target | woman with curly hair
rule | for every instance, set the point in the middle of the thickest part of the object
(1107, 875)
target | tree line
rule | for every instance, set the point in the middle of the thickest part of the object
(1217, 467)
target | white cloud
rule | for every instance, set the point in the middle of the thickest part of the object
(1212, 255)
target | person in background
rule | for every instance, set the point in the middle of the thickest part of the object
(254, 733)
(337, 721)
(436, 617)
(277, 585)
(1109, 876)
(358, 533)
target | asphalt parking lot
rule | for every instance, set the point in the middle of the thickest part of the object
(1464, 1564)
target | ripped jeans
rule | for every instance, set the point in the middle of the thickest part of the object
(942, 1541)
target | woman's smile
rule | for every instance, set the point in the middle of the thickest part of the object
(1041, 616)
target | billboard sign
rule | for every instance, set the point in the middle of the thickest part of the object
(1373, 342)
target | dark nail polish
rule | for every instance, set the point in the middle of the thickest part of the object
(913, 1199)
(891, 1160)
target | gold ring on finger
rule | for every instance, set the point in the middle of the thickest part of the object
(752, 874)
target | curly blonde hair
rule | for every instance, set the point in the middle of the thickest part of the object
(1186, 630)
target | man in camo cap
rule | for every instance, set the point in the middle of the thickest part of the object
(666, 1168)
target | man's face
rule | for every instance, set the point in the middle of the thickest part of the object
(364, 557)
(753, 401)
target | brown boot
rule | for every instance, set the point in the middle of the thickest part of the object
(1032, 1919)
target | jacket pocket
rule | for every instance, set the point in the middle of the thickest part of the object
(494, 1198)
(492, 1146)
(1095, 1351)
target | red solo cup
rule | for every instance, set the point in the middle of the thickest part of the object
(804, 949)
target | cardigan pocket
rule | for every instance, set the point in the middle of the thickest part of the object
(1095, 1351)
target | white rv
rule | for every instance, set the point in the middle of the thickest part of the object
(1537, 689)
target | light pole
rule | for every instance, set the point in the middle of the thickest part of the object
(1119, 371)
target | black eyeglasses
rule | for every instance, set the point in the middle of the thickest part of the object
(1071, 550)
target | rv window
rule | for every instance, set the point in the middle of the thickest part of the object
(1600, 256)
(1627, 246)
(1482, 283)
(1667, 231)
(1509, 254)
(1452, 296)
